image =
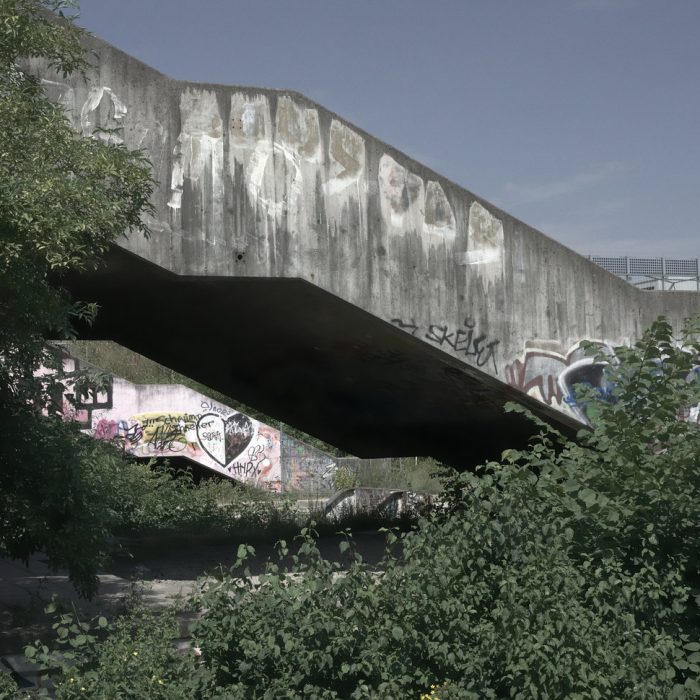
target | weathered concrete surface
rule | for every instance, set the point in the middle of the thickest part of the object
(311, 270)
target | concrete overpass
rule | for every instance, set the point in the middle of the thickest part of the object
(320, 275)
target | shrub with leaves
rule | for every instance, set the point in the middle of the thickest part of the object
(132, 657)
(63, 200)
(159, 500)
(568, 570)
(344, 478)
(56, 494)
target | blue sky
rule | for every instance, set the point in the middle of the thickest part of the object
(581, 117)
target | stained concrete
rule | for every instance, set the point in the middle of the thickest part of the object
(311, 270)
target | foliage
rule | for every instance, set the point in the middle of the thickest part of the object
(63, 200)
(132, 657)
(403, 473)
(8, 687)
(422, 474)
(55, 494)
(437, 692)
(164, 506)
(161, 501)
(567, 570)
(344, 478)
(564, 571)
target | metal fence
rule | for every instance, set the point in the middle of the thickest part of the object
(654, 273)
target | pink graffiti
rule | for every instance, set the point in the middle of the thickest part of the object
(70, 413)
(106, 429)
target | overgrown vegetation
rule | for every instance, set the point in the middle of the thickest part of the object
(164, 507)
(132, 657)
(158, 500)
(566, 570)
(63, 200)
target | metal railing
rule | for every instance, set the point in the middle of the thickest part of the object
(654, 273)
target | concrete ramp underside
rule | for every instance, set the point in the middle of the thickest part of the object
(301, 265)
(310, 359)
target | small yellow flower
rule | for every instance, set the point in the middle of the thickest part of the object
(135, 653)
(433, 694)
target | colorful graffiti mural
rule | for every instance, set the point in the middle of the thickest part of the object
(171, 420)
(178, 422)
(550, 375)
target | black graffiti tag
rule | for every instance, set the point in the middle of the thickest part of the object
(210, 406)
(463, 340)
(409, 326)
(167, 438)
(250, 468)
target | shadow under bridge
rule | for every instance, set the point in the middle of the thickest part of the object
(310, 359)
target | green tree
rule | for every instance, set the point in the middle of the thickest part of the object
(63, 200)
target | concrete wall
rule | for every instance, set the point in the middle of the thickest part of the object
(173, 421)
(266, 183)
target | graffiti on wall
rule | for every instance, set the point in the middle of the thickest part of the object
(173, 421)
(169, 421)
(408, 203)
(485, 239)
(215, 436)
(269, 141)
(283, 155)
(77, 401)
(463, 340)
(550, 375)
(305, 468)
(115, 111)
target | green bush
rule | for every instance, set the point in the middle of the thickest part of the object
(56, 494)
(131, 658)
(158, 500)
(344, 478)
(63, 200)
(565, 571)
(422, 474)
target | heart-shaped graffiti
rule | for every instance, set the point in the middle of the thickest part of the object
(223, 439)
